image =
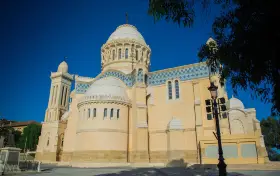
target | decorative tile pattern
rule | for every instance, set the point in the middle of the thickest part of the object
(81, 88)
(188, 73)
(127, 79)
(140, 75)
(154, 78)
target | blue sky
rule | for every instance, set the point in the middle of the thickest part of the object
(36, 35)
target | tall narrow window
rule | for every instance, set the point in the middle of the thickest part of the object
(113, 54)
(120, 53)
(52, 92)
(62, 95)
(118, 114)
(65, 96)
(94, 112)
(88, 113)
(169, 90)
(126, 53)
(136, 54)
(62, 140)
(105, 112)
(55, 95)
(48, 142)
(177, 90)
(111, 113)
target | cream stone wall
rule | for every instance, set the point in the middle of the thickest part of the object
(151, 127)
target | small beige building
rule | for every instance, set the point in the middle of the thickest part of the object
(128, 114)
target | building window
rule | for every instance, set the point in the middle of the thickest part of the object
(209, 117)
(126, 53)
(48, 142)
(113, 54)
(65, 96)
(105, 112)
(120, 53)
(111, 113)
(136, 54)
(55, 94)
(62, 140)
(88, 113)
(118, 114)
(169, 90)
(177, 91)
(62, 95)
(52, 92)
(94, 112)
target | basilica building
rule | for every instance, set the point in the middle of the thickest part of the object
(128, 114)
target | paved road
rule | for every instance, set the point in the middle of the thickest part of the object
(128, 171)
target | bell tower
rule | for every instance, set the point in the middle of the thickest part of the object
(59, 93)
(49, 147)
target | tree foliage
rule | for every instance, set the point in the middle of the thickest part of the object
(30, 137)
(246, 42)
(271, 130)
(247, 46)
(5, 130)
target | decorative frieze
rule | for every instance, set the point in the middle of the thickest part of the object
(160, 77)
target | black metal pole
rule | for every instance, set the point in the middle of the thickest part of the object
(221, 165)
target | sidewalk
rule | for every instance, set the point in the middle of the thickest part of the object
(267, 166)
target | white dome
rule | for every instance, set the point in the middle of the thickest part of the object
(127, 31)
(234, 103)
(107, 89)
(63, 67)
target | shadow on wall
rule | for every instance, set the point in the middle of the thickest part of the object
(174, 168)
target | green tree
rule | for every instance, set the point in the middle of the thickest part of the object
(30, 137)
(271, 130)
(246, 42)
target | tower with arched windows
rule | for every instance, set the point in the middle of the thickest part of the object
(128, 113)
(53, 126)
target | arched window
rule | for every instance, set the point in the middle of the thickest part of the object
(88, 113)
(65, 96)
(111, 113)
(113, 54)
(177, 90)
(126, 53)
(136, 54)
(105, 112)
(120, 53)
(94, 112)
(48, 142)
(62, 93)
(169, 90)
(52, 95)
(62, 140)
(118, 114)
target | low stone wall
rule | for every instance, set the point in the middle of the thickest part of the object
(189, 156)
(45, 156)
(99, 156)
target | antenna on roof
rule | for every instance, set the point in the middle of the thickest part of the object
(126, 18)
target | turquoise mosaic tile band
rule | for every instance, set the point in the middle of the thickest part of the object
(154, 78)
(182, 74)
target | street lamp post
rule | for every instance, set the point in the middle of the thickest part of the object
(221, 165)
